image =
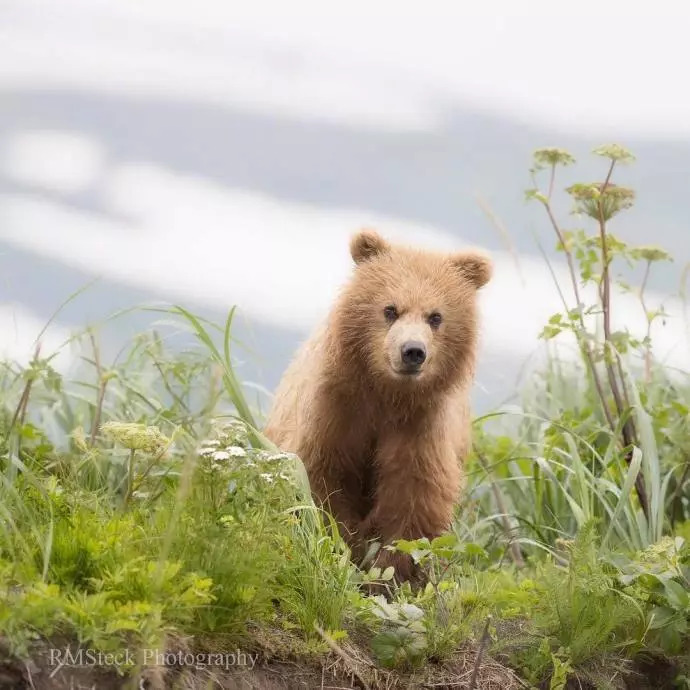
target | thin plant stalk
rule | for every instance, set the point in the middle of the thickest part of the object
(130, 477)
(629, 433)
(584, 345)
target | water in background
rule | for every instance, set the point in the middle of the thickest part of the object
(216, 155)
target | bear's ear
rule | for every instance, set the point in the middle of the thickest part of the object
(367, 244)
(474, 267)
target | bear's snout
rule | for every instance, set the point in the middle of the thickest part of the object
(413, 354)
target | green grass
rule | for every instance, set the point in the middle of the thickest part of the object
(141, 507)
(172, 521)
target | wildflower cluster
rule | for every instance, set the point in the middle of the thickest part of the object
(228, 458)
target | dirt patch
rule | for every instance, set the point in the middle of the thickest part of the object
(349, 667)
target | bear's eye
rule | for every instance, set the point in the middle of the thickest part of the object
(435, 319)
(391, 313)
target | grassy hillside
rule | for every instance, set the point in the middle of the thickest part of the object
(150, 535)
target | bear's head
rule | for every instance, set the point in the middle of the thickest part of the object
(408, 317)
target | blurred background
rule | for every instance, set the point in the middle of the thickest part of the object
(215, 154)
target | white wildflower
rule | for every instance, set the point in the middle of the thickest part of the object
(277, 457)
(137, 436)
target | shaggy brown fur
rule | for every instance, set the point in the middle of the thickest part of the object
(383, 446)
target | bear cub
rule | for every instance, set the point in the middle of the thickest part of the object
(376, 402)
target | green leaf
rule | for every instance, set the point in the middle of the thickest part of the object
(472, 549)
(444, 541)
(535, 194)
(412, 612)
(398, 647)
(677, 595)
(660, 617)
(670, 639)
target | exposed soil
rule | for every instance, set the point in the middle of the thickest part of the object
(348, 668)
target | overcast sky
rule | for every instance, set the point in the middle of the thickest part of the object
(587, 64)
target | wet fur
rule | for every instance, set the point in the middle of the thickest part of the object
(384, 454)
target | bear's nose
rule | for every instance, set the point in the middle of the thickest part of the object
(413, 353)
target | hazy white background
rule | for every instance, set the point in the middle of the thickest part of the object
(221, 153)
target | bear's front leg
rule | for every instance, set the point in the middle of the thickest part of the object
(337, 488)
(417, 487)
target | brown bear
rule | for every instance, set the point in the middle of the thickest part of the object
(376, 402)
